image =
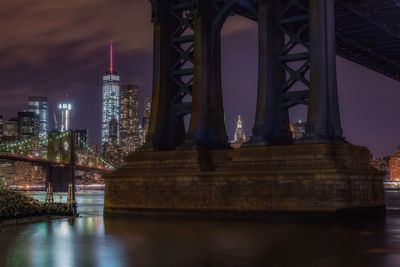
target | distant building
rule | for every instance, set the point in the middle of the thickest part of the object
(63, 118)
(298, 129)
(129, 119)
(28, 174)
(111, 150)
(113, 130)
(141, 134)
(95, 148)
(21, 174)
(394, 166)
(7, 172)
(40, 106)
(1, 126)
(146, 117)
(84, 156)
(10, 130)
(80, 138)
(239, 136)
(28, 125)
(381, 164)
(110, 100)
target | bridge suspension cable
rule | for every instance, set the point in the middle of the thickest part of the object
(102, 160)
(27, 144)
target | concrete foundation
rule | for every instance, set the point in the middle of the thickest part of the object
(294, 179)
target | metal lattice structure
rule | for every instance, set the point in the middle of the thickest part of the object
(368, 33)
(293, 23)
(298, 43)
(182, 69)
(192, 172)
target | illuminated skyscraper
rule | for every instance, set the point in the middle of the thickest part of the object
(146, 117)
(298, 129)
(111, 150)
(63, 119)
(10, 130)
(28, 125)
(394, 166)
(110, 100)
(1, 126)
(81, 138)
(239, 137)
(239, 133)
(39, 105)
(141, 134)
(129, 119)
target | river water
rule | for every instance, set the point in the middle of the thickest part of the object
(92, 240)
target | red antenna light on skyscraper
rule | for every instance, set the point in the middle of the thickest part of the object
(111, 58)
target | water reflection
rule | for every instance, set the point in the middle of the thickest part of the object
(249, 244)
(76, 242)
(94, 241)
(90, 203)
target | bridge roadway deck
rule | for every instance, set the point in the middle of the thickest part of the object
(44, 162)
(367, 33)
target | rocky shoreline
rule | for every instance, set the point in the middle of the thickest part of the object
(17, 208)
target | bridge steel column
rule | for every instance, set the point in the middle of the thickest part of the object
(323, 115)
(207, 126)
(296, 46)
(165, 131)
(271, 123)
(283, 65)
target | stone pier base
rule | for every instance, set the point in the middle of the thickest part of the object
(295, 179)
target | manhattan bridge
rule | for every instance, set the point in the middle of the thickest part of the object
(298, 40)
(191, 169)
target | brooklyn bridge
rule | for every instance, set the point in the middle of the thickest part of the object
(61, 158)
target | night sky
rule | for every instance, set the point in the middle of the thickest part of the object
(55, 48)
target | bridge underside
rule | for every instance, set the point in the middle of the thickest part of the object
(60, 177)
(194, 171)
(368, 33)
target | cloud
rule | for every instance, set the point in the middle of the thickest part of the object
(31, 29)
(15, 97)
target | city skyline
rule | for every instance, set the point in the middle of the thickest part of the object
(200, 133)
(367, 99)
(110, 101)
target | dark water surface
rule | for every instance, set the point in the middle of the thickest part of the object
(93, 241)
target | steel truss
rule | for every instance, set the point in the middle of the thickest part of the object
(297, 54)
(368, 33)
(182, 42)
(294, 57)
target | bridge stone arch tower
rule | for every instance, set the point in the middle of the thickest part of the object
(187, 171)
(61, 150)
